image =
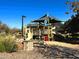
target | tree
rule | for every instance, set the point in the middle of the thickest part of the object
(6, 29)
(72, 25)
(72, 5)
(15, 30)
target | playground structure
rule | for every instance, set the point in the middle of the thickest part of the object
(42, 28)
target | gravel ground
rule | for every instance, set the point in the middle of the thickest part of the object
(43, 52)
(57, 52)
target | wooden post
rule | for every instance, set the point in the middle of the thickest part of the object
(48, 31)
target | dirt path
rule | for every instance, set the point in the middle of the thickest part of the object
(43, 52)
(58, 52)
(52, 43)
(22, 55)
(55, 50)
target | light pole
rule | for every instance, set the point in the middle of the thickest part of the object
(23, 25)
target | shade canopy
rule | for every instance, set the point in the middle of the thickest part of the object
(54, 21)
(38, 21)
(47, 18)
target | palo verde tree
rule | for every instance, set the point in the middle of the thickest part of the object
(72, 25)
(72, 5)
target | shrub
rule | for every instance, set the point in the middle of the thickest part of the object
(58, 37)
(2, 48)
(10, 46)
(41, 42)
(7, 44)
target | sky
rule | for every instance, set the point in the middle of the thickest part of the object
(12, 10)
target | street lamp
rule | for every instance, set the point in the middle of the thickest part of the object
(23, 25)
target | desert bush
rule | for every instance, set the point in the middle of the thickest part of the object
(7, 44)
(10, 46)
(58, 37)
(2, 48)
(41, 42)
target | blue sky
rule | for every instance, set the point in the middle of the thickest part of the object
(12, 10)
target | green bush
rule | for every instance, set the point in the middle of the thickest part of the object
(7, 44)
(2, 48)
(41, 42)
(72, 36)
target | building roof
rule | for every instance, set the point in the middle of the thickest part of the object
(32, 25)
(38, 21)
(46, 17)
